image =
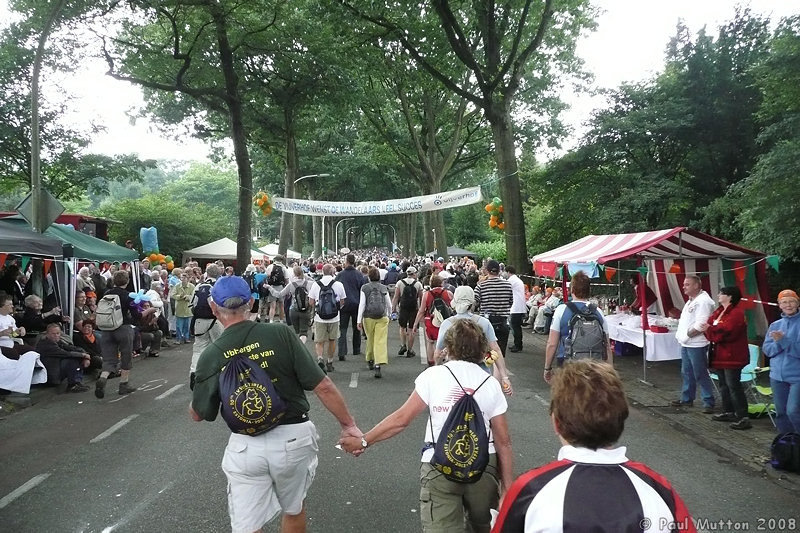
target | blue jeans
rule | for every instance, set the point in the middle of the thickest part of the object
(787, 405)
(182, 328)
(694, 369)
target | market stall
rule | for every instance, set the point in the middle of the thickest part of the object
(663, 259)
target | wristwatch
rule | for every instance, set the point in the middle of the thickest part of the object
(363, 442)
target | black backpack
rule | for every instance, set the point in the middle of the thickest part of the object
(301, 297)
(408, 298)
(585, 337)
(461, 452)
(201, 308)
(375, 303)
(327, 306)
(276, 276)
(785, 451)
(439, 310)
(250, 404)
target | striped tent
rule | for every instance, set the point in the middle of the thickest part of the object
(669, 255)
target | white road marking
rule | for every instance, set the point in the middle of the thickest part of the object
(541, 400)
(170, 391)
(152, 384)
(354, 380)
(138, 508)
(112, 429)
(22, 489)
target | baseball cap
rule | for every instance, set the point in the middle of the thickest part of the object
(229, 287)
(411, 270)
(492, 266)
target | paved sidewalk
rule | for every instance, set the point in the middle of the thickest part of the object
(749, 449)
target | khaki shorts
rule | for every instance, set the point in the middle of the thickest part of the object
(269, 474)
(326, 331)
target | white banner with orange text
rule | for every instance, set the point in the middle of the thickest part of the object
(415, 204)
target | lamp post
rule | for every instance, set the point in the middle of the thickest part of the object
(347, 235)
(394, 231)
(325, 175)
(435, 250)
(336, 232)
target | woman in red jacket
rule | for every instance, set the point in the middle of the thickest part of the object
(726, 328)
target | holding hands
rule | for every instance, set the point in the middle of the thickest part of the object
(352, 445)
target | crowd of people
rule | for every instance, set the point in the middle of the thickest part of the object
(466, 315)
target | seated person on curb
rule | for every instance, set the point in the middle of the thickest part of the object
(149, 333)
(86, 340)
(62, 360)
(8, 328)
(81, 311)
(34, 320)
(592, 486)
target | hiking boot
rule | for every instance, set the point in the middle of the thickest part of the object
(725, 417)
(125, 388)
(100, 388)
(744, 423)
(371, 364)
(402, 350)
(329, 367)
(77, 387)
(411, 353)
(681, 403)
(378, 371)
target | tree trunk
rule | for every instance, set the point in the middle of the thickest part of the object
(291, 175)
(238, 137)
(505, 157)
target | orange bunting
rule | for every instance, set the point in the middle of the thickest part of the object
(610, 273)
(3, 258)
(47, 264)
(675, 268)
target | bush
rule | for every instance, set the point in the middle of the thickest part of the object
(495, 249)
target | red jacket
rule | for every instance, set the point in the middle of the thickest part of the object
(730, 338)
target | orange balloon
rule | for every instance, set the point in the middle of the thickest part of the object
(501, 225)
(260, 201)
(170, 265)
(492, 222)
(161, 258)
(500, 208)
(489, 208)
(269, 210)
(153, 258)
(494, 218)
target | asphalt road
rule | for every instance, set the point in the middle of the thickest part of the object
(139, 464)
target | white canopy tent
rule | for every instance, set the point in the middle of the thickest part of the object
(223, 248)
(272, 250)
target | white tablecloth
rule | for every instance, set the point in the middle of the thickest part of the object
(660, 346)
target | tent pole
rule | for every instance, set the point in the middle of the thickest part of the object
(643, 310)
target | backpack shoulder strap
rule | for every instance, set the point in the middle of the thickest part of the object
(572, 307)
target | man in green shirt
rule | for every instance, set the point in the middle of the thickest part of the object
(261, 481)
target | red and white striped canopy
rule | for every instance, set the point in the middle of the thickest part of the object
(662, 244)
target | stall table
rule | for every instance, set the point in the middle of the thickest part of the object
(660, 346)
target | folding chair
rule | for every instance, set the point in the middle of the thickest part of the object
(759, 396)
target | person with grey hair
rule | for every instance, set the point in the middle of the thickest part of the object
(463, 302)
(269, 473)
(206, 329)
(300, 312)
(84, 280)
(326, 330)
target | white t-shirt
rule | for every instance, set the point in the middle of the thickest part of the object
(7, 321)
(338, 289)
(559, 314)
(439, 391)
(518, 290)
(695, 313)
(483, 322)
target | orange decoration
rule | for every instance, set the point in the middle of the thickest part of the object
(501, 225)
(153, 258)
(489, 208)
(170, 265)
(675, 268)
(500, 208)
(492, 222)
(610, 272)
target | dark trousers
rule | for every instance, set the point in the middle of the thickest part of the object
(346, 317)
(287, 304)
(71, 369)
(501, 330)
(732, 392)
(516, 327)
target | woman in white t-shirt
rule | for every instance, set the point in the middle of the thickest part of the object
(444, 503)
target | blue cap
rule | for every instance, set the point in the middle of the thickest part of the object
(228, 287)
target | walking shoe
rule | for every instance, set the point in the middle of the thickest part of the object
(164, 344)
(178, 343)
(321, 364)
(744, 423)
(191, 381)
(341, 358)
(371, 364)
(724, 417)
(153, 354)
(681, 403)
(329, 366)
(77, 387)
(100, 388)
(411, 353)
(378, 371)
(515, 349)
(125, 388)
(708, 410)
(402, 350)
